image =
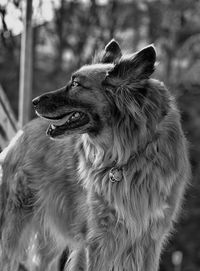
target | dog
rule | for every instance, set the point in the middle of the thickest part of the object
(103, 171)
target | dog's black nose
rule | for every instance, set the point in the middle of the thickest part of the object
(36, 101)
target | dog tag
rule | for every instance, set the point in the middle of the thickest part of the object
(115, 175)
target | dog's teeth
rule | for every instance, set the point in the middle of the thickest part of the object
(77, 114)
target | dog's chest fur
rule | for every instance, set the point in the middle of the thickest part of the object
(122, 213)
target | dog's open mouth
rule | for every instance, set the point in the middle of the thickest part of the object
(63, 124)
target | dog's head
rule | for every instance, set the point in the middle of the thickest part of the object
(114, 90)
(80, 106)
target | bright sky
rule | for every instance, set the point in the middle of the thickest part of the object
(45, 13)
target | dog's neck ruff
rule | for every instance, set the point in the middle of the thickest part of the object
(94, 161)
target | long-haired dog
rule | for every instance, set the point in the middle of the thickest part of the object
(111, 183)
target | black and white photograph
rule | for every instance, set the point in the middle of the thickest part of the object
(99, 135)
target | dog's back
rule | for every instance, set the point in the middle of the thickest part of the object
(34, 168)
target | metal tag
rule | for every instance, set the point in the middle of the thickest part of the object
(115, 174)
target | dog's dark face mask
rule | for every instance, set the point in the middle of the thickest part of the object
(78, 107)
(81, 106)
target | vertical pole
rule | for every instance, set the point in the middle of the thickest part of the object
(25, 87)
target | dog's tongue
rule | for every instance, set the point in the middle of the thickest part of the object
(60, 122)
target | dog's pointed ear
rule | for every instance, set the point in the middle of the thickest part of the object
(112, 52)
(137, 66)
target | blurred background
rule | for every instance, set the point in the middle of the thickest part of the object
(65, 34)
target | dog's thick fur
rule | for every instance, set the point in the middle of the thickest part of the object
(61, 188)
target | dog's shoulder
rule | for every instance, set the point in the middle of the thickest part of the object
(32, 152)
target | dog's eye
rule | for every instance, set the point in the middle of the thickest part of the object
(75, 84)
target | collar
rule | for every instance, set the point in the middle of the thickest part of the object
(116, 173)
